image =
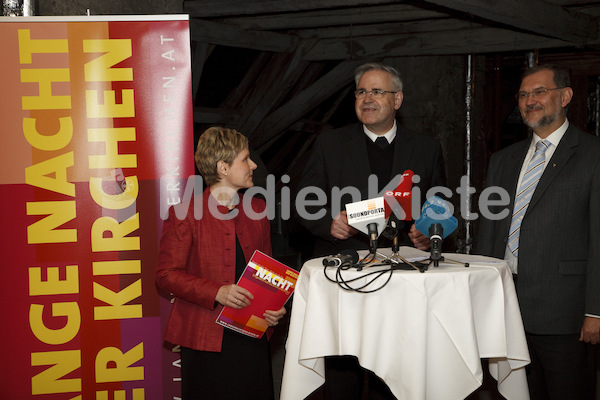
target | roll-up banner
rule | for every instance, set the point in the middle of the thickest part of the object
(96, 137)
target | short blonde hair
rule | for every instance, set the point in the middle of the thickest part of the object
(217, 144)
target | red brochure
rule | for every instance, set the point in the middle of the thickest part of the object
(271, 283)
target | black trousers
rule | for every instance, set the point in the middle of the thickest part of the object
(345, 379)
(561, 368)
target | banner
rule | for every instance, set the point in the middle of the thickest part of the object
(96, 113)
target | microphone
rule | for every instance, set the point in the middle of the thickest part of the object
(436, 211)
(437, 223)
(398, 201)
(344, 256)
(367, 216)
(372, 216)
(373, 235)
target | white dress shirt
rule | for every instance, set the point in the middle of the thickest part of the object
(554, 138)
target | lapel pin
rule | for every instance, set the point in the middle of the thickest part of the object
(553, 165)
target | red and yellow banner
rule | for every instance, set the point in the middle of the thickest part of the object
(94, 112)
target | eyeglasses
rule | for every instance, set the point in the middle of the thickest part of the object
(375, 93)
(535, 93)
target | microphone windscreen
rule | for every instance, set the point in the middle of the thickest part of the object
(436, 211)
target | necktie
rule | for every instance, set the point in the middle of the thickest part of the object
(530, 180)
(381, 142)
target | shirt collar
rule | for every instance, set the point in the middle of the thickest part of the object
(389, 135)
(555, 137)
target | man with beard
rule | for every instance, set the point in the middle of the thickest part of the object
(550, 235)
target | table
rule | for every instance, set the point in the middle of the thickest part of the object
(424, 334)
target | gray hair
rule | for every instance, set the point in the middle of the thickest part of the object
(396, 81)
(561, 77)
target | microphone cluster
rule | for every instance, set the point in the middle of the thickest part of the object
(382, 216)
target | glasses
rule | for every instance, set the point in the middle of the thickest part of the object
(535, 93)
(375, 93)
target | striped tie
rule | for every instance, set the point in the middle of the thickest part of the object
(530, 180)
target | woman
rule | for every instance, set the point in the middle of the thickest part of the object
(199, 262)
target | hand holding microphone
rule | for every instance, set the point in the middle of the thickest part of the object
(340, 229)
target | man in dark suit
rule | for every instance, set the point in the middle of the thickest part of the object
(550, 234)
(346, 158)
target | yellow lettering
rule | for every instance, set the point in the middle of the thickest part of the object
(45, 100)
(100, 69)
(118, 240)
(28, 46)
(52, 142)
(122, 371)
(117, 308)
(45, 230)
(111, 138)
(110, 108)
(38, 174)
(62, 363)
(114, 201)
(117, 267)
(53, 285)
(55, 336)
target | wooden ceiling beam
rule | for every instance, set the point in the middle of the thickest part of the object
(278, 121)
(396, 13)
(387, 29)
(532, 15)
(462, 41)
(227, 35)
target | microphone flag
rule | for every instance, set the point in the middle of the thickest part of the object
(436, 211)
(398, 201)
(362, 213)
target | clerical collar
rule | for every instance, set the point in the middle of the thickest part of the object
(389, 135)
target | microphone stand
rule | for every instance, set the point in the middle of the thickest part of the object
(436, 233)
(397, 259)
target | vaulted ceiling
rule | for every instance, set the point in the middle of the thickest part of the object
(293, 55)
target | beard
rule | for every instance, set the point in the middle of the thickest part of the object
(544, 121)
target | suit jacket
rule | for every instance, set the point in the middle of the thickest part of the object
(339, 159)
(559, 244)
(197, 257)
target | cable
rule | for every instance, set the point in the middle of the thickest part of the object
(373, 275)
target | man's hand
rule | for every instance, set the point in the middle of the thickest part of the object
(590, 331)
(419, 240)
(340, 228)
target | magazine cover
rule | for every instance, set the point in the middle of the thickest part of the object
(271, 283)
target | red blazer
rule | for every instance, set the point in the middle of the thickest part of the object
(196, 258)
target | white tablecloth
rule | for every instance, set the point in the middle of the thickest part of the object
(423, 333)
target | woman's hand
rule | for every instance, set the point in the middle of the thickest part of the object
(234, 296)
(273, 317)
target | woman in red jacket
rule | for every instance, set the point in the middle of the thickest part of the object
(200, 259)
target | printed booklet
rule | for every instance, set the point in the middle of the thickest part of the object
(271, 283)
